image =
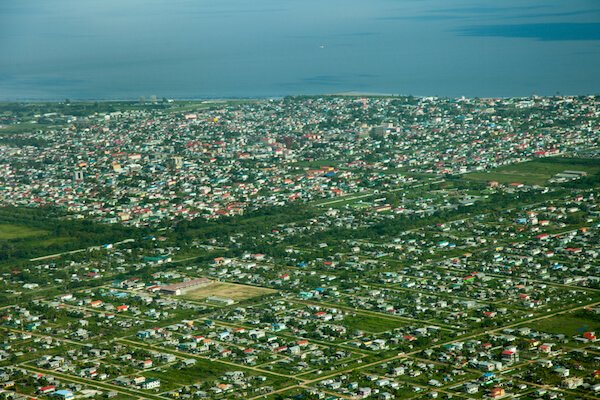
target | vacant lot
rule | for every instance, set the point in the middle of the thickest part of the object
(8, 232)
(536, 172)
(202, 371)
(372, 324)
(206, 371)
(568, 324)
(316, 164)
(228, 290)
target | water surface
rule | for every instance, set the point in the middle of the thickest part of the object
(115, 49)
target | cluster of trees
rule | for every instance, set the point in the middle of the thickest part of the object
(394, 227)
(60, 235)
(23, 141)
(253, 224)
(79, 108)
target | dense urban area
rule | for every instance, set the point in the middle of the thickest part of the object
(332, 247)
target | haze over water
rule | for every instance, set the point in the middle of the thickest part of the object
(109, 49)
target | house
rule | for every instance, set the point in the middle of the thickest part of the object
(46, 389)
(150, 384)
(471, 388)
(510, 355)
(138, 380)
(277, 327)
(546, 348)
(95, 303)
(591, 336)
(488, 377)
(63, 394)
(572, 382)
(562, 372)
(256, 334)
(364, 392)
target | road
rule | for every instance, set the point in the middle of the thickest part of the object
(362, 196)
(51, 256)
(413, 353)
(188, 355)
(96, 384)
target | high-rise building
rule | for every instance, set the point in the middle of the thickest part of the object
(78, 175)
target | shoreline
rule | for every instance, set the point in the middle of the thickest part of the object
(209, 100)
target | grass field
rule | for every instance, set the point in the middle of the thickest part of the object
(536, 172)
(194, 105)
(189, 253)
(9, 231)
(316, 164)
(568, 324)
(342, 201)
(408, 172)
(203, 371)
(20, 128)
(372, 324)
(228, 290)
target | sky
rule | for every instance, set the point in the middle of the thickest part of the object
(88, 49)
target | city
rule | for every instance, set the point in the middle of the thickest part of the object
(304, 247)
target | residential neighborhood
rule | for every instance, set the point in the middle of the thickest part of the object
(318, 247)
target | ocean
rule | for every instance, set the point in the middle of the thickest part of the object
(109, 49)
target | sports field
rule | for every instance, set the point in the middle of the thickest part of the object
(228, 290)
(536, 172)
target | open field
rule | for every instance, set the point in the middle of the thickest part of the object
(569, 324)
(28, 233)
(536, 172)
(408, 172)
(189, 253)
(372, 324)
(359, 199)
(23, 128)
(202, 371)
(10, 231)
(316, 164)
(341, 201)
(194, 105)
(228, 290)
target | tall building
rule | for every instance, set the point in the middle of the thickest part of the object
(384, 130)
(177, 162)
(78, 175)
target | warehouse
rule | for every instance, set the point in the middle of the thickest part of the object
(183, 287)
